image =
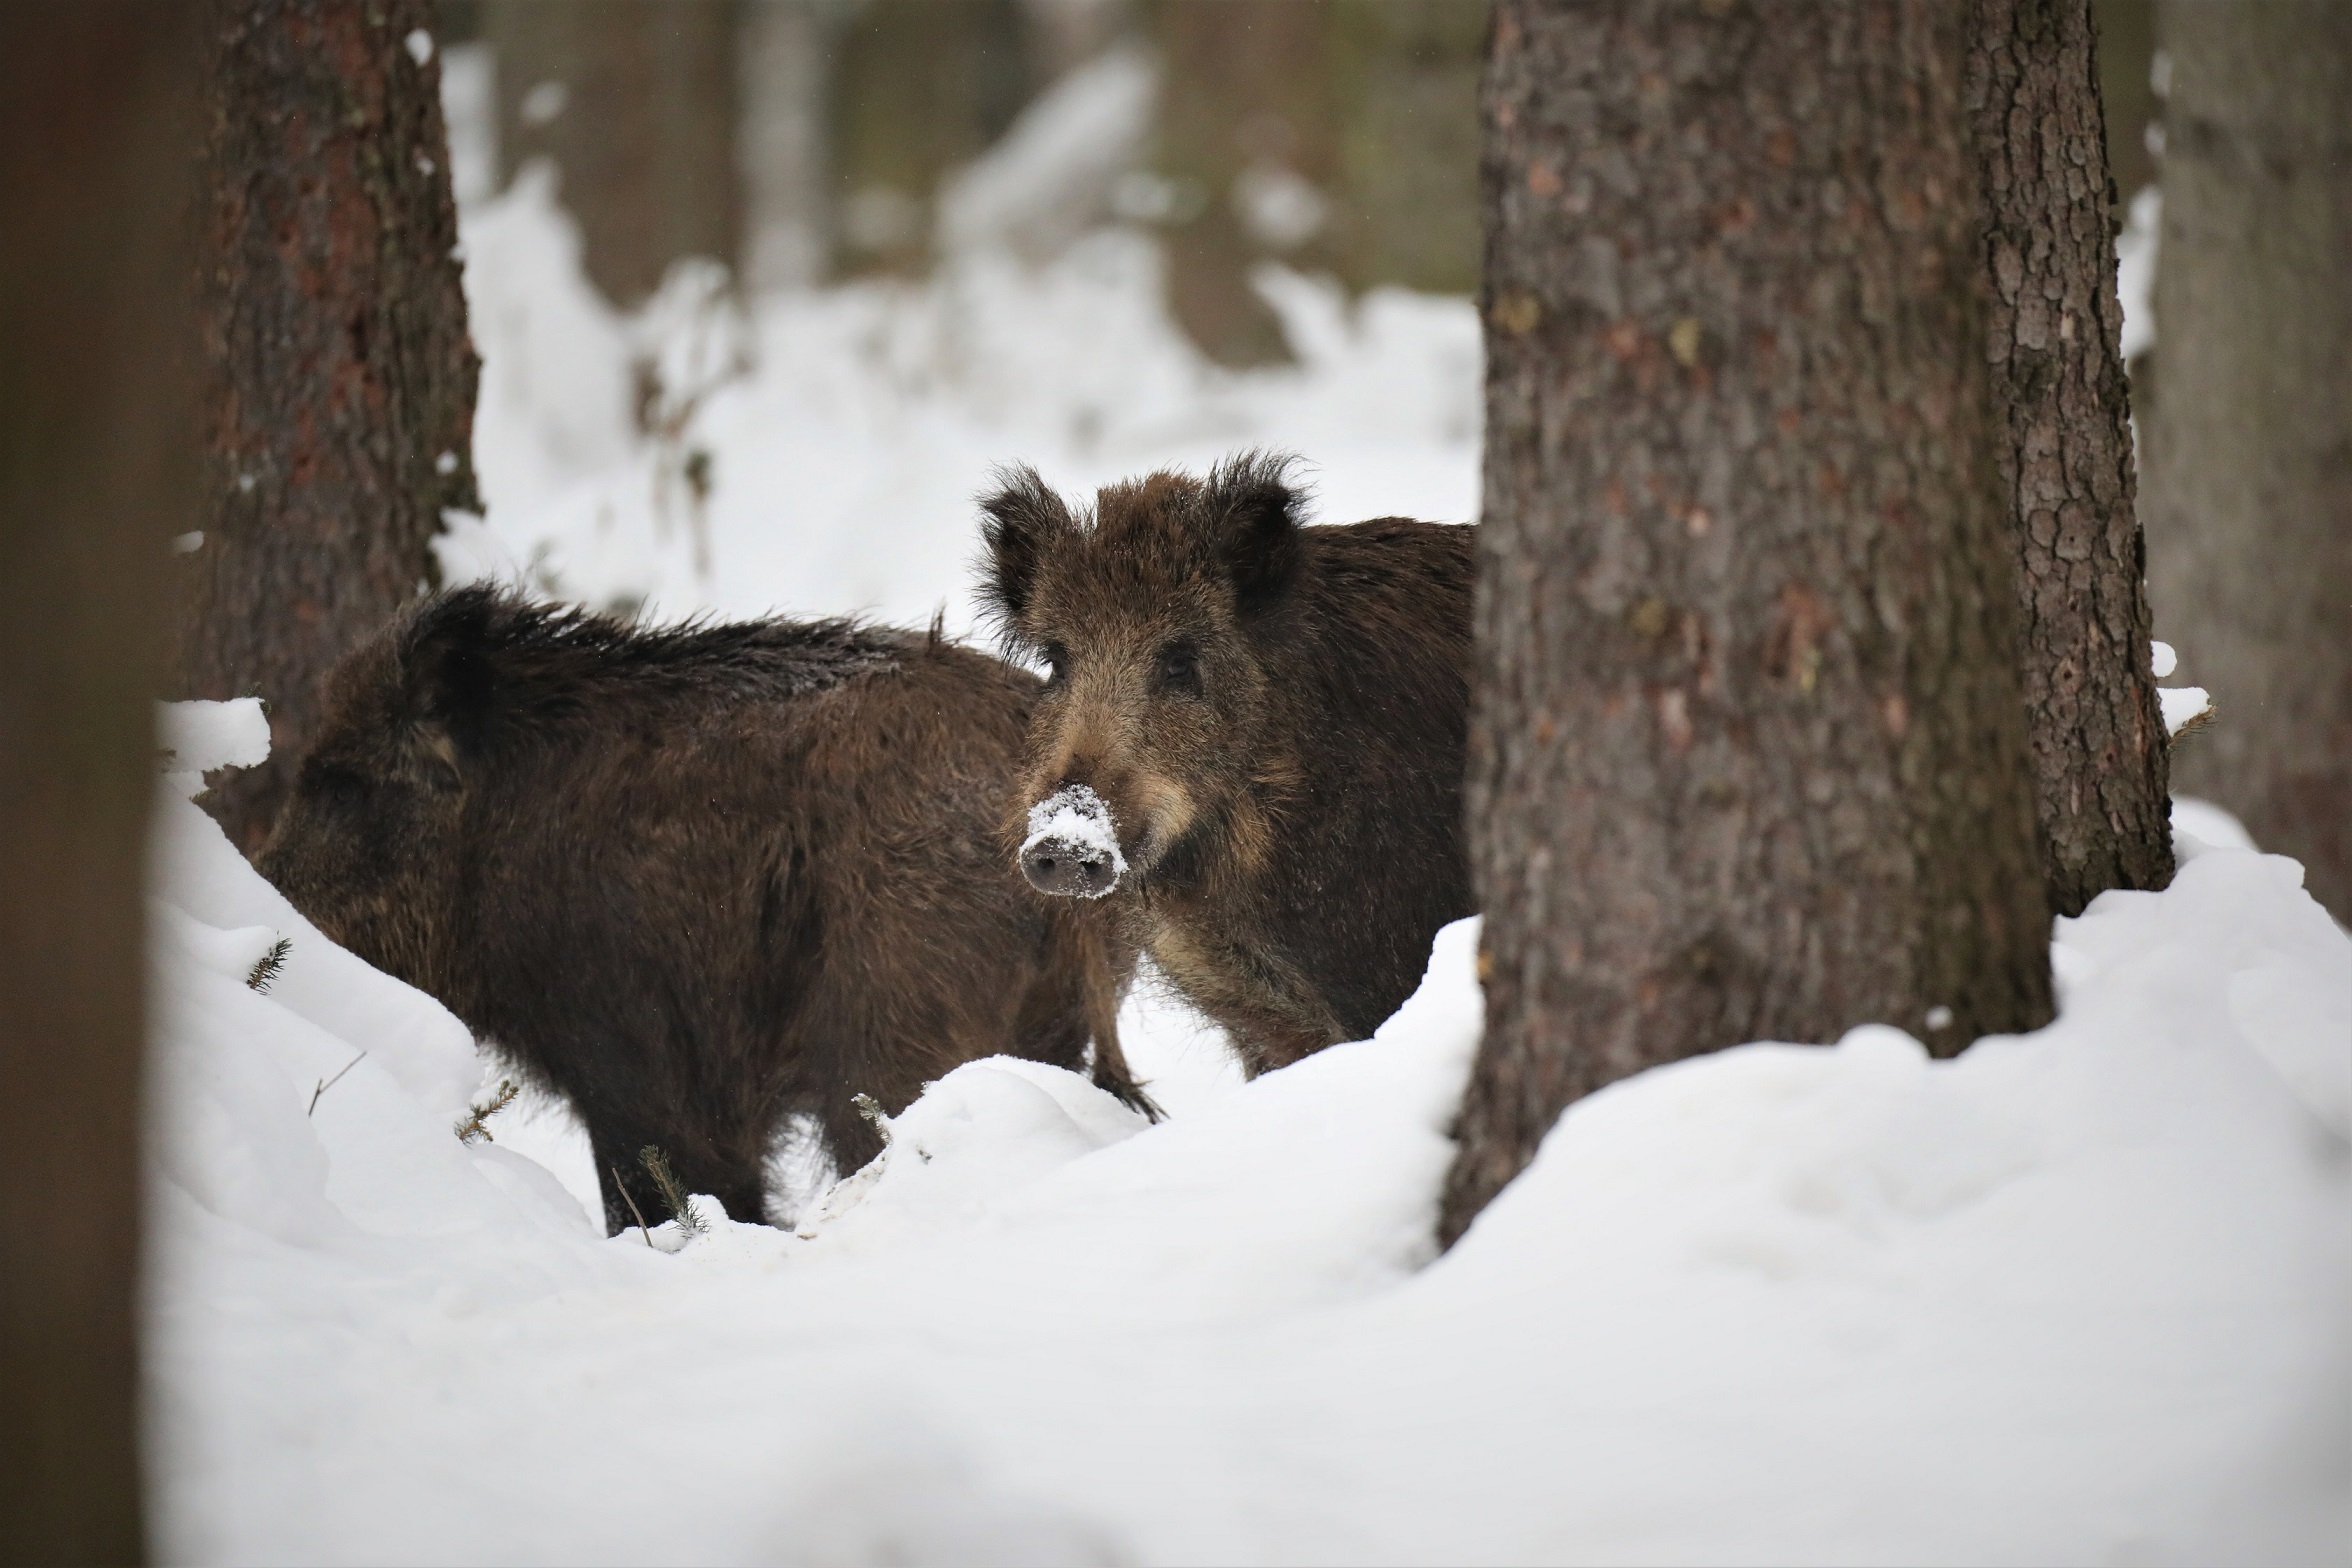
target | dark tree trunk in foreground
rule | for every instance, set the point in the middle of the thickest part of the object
(1748, 755)
(94, 481)
(2248, 440)
(2052, 340)
(339, 408)
(635, 101)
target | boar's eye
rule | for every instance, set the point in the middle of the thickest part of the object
(1178, 671)
(1057, 665)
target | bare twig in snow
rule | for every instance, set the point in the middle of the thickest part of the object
(328, 1083)
(642, 1228)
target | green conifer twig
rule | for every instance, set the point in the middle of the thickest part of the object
(472, 1125)
(673, 1192)
(266, 967)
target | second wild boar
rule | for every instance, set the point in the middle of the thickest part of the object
(1251, 738)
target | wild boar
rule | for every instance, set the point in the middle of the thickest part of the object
(698, 880)
(1251, 738)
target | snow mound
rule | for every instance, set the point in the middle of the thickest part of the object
(988, 1128)
(2184, 707)
(198, 737)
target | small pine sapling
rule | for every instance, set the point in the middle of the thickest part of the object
(475, 1123)
(673, 1192)
(266, 967)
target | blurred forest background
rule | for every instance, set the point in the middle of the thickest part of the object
(804, 141)
(807, 141)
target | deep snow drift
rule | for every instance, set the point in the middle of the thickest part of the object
(2080, 1296)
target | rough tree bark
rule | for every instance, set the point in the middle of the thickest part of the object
(2248, 438)
(94, 481)
(340, 405)
(1748, 753)
(2052, 340)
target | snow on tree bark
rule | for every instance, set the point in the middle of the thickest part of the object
(2052, 334)
(2247, 439)
(338, 415)
(94, 483)
(1748, 754)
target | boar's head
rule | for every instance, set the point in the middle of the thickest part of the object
(368, 844)
(1154, 615)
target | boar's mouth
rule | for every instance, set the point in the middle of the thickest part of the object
(1072, 850)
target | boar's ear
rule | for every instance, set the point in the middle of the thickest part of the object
(445, 669)
(1020, 520)
(1255, 510)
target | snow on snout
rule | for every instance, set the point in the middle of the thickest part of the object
(1078, 820)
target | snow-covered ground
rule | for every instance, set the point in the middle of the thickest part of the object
(2081, 1296)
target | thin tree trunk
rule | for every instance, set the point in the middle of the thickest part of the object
(94, 481)
(2052, 339)
(1406, 190)
(922, 87)
(1247, 92)
(2127, 98)
(340, 406)
(1748, 752)
(782, 156)
(635, 100)
(2248, 438)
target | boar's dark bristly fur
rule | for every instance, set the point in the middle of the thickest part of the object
(1274, 716)
(699, 881)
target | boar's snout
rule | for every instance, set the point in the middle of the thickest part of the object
(1073, 846)
(1068, 869)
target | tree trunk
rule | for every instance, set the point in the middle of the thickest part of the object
(340, 405)
(782, 154)
(635, 101)
(94, 481)
(1367, 110)
(1406, 76)
(2248, 438)
(1748, 755)
(1246, 97)
(2052, 338)
(2127, 98)
(923, 87)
